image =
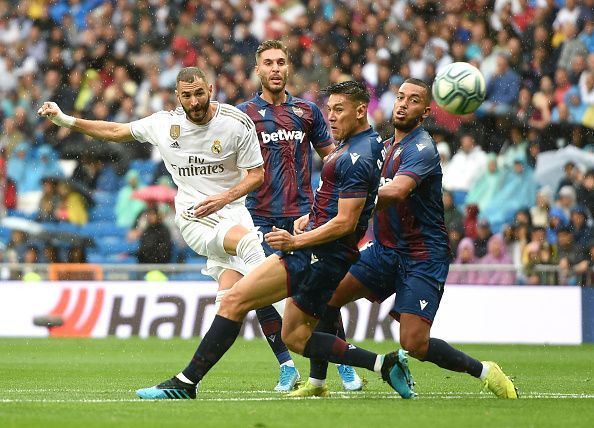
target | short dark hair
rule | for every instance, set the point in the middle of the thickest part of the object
(189, 74)
(271, 44)
(354, 90)
(422, 84)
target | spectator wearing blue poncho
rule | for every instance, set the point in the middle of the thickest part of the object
(16, 166)
(518, 191)
(486, 187)
(128, 209)
(44, 164)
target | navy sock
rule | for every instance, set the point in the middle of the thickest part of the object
(324, 346)
(329, 323)
(217, 340)
(447, 357)
(272, 323)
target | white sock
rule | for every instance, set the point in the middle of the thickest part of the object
(289, 363)
(485, 371)
(377, 367)
(180, 376)
(249, 249)
(219, 298)
(317, 382)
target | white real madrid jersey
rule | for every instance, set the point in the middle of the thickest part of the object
(203, 160)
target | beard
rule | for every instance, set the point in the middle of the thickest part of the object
(276, 89)
(198, 113)
(406, 125)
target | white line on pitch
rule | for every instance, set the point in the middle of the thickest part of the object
(336, 396)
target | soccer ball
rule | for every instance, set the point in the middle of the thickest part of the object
(459, 88)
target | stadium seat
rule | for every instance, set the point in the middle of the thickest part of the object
(103, 213)
(5, 235)
(109, 245)
(100, 229)
(105, 198)
(189, 276)
(95, 257)
(146, 169)
(196, 260)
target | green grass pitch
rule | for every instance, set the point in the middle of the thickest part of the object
(90, 383)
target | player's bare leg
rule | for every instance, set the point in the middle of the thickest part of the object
(226, 281)
(415, 338)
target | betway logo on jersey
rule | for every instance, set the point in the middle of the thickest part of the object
(282, 135)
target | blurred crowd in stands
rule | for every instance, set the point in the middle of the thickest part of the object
(518, 173)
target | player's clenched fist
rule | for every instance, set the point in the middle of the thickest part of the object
(51, 110)
(280, 239)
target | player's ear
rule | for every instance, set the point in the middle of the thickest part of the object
(361, 111)
(426, 113)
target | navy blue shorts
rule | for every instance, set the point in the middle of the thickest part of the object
(418, 284)
(264, 225)
(312, 280)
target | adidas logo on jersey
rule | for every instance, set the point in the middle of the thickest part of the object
(282, 135)
(174, 145)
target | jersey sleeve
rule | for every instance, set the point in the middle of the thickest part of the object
(418, 162)
(248, 150)
(320, 137)
(143, 129)
(355, 174)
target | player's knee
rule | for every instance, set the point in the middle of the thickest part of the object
(415, 344)
(295, 340)
(233, 306)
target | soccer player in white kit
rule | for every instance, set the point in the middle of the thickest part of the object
(206, 147)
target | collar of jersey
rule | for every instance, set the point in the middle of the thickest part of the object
(263, 103)
(411, 135)
(343, 142)
(195, 125)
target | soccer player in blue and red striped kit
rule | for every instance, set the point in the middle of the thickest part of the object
(409, 255)
(287, 127)
(309, 264)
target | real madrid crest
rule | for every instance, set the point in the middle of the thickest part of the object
(298, 111)
(216, 147)
(175, 131)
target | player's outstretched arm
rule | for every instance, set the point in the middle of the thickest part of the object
(252, 180)
(345, 222)
(99, 129)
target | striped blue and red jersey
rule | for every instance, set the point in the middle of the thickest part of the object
(286, 133)
(415, 226)
(352, 170)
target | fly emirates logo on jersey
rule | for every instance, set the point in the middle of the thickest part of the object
(282, 135)
(198, 166)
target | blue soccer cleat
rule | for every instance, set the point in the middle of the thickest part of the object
(171, 389)
(289, 376)
(350, 379)
(395, 371)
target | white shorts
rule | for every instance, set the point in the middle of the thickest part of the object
(206, 235)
